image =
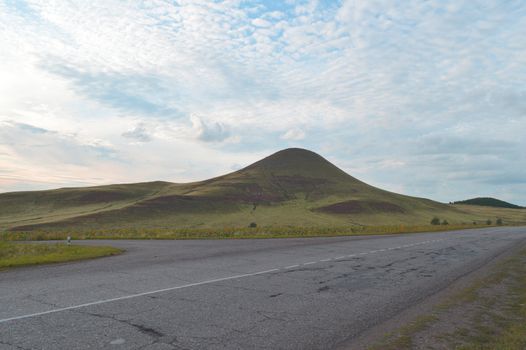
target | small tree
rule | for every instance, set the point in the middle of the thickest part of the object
(488, 222)
(435, 221)
(253, 225)
(444, 222)
(499, 221)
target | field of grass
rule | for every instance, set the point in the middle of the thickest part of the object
(509, 216)
(490, 314)
(228, 232)
(23, 254)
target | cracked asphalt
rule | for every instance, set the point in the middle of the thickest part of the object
(313, 293)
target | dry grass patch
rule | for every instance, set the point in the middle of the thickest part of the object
(22, 254)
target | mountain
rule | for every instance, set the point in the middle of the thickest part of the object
(489, 202)
(293, 187)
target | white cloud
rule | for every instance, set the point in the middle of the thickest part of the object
(209, 132)
(363, 76)
(139, 133)
(259, 22)
(294, 135)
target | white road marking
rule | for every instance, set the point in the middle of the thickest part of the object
(135, 295)
(99, 302)
(292, 266)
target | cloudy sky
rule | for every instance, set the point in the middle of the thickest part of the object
(426, 98)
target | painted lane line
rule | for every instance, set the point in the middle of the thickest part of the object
(325, 260)
(310, 263)
(292, 266)
(105, 301)
(340, 257)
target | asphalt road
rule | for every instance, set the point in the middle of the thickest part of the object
(316, 293)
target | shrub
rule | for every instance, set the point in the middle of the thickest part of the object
(445, 222)
(435, 221)
(499, 221)
(488, 222)
(253, 225)
(474, 222)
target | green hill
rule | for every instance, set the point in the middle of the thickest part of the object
(489, 202)
(293, 187)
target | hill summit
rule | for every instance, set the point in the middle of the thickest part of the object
(293, 187)
(300, 161)
(489, 202)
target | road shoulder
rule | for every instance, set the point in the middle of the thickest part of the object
(485, 309)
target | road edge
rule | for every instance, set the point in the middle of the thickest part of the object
(429, 302)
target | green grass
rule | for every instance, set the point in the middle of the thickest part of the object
(509, 330)
(509, 216)
(227, 232)
(24, 254)
(402, 339)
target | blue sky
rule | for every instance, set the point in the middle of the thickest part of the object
(426, 98)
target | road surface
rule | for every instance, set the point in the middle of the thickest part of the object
(314, 293)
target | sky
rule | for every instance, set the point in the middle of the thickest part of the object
(425, 98)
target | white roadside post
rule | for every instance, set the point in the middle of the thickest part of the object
(69, 240)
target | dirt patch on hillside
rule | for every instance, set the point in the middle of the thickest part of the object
(361, 207)
(101, 197)
(179, 204)
(249, 193)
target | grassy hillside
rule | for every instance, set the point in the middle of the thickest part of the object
(507, 215)
(489, 202)
(293, 187)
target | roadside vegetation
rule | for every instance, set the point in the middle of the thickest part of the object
(489, 314)
(251, 231)
(23, 254)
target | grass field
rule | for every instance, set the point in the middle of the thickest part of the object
(23, 254)
(229, 233)
(511, 216)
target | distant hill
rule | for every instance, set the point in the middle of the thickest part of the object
(489, 202)
(293, 187)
